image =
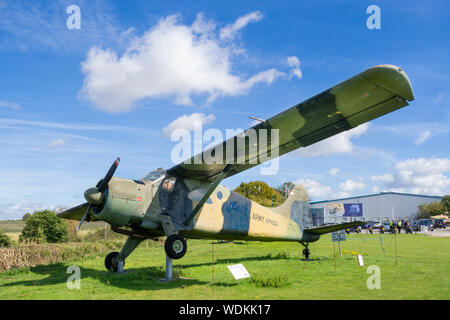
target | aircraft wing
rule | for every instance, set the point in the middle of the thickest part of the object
(75, 213)
(332, 228)
(366, 96)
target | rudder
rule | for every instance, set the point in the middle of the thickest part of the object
(297, 194)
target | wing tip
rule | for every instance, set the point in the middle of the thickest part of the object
(393, 78)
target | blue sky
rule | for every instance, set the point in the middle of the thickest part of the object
(73, 100)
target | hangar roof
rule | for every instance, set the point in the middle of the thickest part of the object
(379, 194)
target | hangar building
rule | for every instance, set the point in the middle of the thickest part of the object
(384, 206)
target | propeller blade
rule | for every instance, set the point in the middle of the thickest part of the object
(104, 182)
(84, 217)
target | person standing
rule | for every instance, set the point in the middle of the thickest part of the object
(399, 225)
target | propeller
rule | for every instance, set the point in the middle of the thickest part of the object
(95, 196)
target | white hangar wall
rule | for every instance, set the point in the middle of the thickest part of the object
(375, 207)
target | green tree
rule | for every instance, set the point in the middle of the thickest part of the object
(427, 210)
(44, 226)
(445, 202)
(5, 241)
(288, 184)
(259, 192)
(26, 216)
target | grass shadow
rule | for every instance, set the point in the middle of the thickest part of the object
(133, 279)
(237, 260)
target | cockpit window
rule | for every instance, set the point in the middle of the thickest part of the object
(168, 184)
(154, 175)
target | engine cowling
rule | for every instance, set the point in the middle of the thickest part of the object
(125, 202)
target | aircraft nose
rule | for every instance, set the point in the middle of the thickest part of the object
(93, 196)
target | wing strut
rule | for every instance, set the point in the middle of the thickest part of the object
(205, 197)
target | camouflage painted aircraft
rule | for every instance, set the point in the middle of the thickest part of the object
(186, 201)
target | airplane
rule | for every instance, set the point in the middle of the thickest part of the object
(187, 201)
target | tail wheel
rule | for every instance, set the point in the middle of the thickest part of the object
(175, 246)
(111, 261)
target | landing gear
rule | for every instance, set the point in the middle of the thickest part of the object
(115, 261)
(306, 252)
(112, 261)
(175, 246)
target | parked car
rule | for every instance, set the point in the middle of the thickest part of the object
(376, 225)
(425, 223)
(439, 223)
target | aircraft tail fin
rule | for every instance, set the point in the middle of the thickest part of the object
(298, 194)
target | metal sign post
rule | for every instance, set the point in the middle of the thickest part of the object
(340, 251)
(212, 253)
(338, 236)
(334, 255)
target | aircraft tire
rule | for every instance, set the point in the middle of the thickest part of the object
(111, 261)
(175, 246)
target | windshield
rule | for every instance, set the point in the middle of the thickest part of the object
(154, 175)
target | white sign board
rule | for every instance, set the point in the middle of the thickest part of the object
(238, 271)
(360, 260)
(338, 236)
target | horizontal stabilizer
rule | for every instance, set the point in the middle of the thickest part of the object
(332, 228)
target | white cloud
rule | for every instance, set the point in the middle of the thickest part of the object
(387, 178)
(376, 189)
(423, 136)
(15, 211)
(424, 166)
(420, 132)
(351, 186)
(294, 62)
(171, 60)
(6, 122)
(229, 31)
(57, 142)
(341, 194)
(314, 188)
(188, 122)
(419, 176)
(334, 172)
(41, 25)
(338, 144)
(8, 104)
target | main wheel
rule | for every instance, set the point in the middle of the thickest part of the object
(175, 246)
(112, 260)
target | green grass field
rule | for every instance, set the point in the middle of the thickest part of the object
(421, 272)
